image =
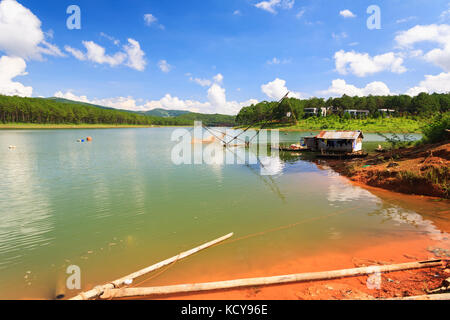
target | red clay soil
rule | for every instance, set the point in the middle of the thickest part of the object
(393, 285)
(422, 170)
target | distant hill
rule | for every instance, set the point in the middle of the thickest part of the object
(162, 116)
(165, 113)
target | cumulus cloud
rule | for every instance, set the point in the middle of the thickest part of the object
(347, 14)
(216, 102)
(271, 5)
(339, 87)
(362, 64)
(126, 103)
(132, 55)
(136, 57)
(439, 84)
(277, 89)
(96, 53)
(439, 34)
(11, 67)
(21, 34)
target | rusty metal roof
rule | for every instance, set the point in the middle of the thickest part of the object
(340, 135)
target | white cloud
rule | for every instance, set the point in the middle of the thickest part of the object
(76, 53)
(445, 15)
(11, 67)
(96, 53)
(339, 36)
(406, 19)
(362, 64)
(21, 34)
(277, 89)
(347, 14)
(271, 5)
(125, 103)
(110, 38)
(300, 14)
(150, 19)
(218, 78)
(339, 87)
(131, 56)
(433, 33)
(276, 61)
(136, 57)
(439, 84)
(201, 82)
(237, 13)
(216, 103)
(164, 66)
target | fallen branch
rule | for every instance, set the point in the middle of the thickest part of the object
(302, 277)
(442, 296)
(98, 291)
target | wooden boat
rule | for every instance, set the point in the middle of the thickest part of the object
(294, 148)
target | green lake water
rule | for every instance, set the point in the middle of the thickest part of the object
(119, 204)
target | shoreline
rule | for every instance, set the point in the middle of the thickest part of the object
(292, 129)
(80, 126)
(386, 251)
(421, 170)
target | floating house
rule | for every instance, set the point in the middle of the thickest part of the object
(336, 141)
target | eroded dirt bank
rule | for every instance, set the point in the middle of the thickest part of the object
(422, 170)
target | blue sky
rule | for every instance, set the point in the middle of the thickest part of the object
(216, 55)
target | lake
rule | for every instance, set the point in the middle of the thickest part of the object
(119, 203)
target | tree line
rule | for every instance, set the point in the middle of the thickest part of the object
(15, 109)
(290, 109)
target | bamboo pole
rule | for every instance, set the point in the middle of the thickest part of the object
(97, 291)
(441, 296)
(264, 281)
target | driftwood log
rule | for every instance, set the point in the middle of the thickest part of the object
(98, 291)
(264, 281)
(441, 296)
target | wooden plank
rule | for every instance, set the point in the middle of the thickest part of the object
(264, 281)
(441, 296)
(97, 291)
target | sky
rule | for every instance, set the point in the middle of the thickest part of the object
(217, 56)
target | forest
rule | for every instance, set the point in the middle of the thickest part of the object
(15, 109)
(421, 106)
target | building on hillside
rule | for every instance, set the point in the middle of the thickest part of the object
(311, 112)
(386, 111)
(358, 113)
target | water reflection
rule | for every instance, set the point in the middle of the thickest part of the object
(342, 191)
(26, 217)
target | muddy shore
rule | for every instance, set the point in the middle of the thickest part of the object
(422, 170)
